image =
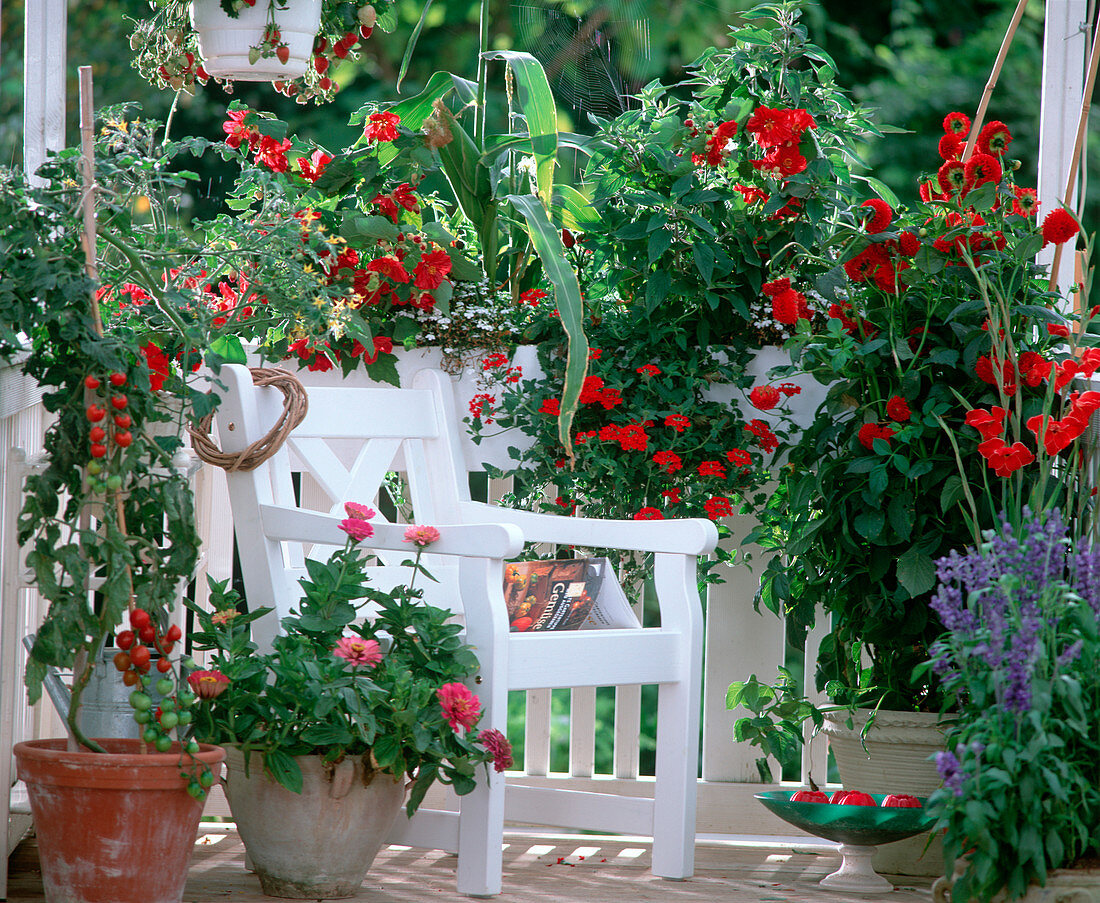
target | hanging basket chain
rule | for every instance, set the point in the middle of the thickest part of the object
(295, 405)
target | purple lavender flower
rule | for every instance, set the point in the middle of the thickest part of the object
(950, 769)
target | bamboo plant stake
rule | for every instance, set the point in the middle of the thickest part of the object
(1002, 54)
(1078, 145)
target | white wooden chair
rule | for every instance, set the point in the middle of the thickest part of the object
(348, 441)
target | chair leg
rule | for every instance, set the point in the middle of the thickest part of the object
(481, 837)
(675, 785)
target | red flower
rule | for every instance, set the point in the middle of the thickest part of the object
(952, 177)
(869, 432)
(718, 506)
(673, 496)
(236, 130)
(157, 362)
(982, 168)
(381, 127)
(950, 147)
(788, 307)
(1058, 329)
(551, 406)
(881, 216)
(1056, 435)
(1026, 202)
(769, 127)
(431, 271)
(481, 406)
(765, 438)
(711, 469)
(897, 408)
(312, 168)
(764, 397)
(956, 124)
(989, 424)
(678, 422)
(404, 196)
(382, 345)
(908, 244)
(718, 143)
(776, 287)
(272, 153)
(668, 461)
(532, 296)
(649, 370)
(494, 360)
(389, 267)
(648, 513)
(739, 457)
(1004, 459)
(1059, 226)
(994, 138)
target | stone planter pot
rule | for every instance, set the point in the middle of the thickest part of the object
(1063, 886)
(114, 827)
(318, 843)
(224, 41)
(895, 758)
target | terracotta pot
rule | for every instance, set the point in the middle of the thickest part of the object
(895, 758)
(224, 41)
(318, 843)
(116, 827)
(1063, 886)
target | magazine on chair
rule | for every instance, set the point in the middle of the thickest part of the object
(565, 594)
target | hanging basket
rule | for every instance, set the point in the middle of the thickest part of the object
(224, 42)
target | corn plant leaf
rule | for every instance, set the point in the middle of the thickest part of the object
(411, 45)
(567, 292)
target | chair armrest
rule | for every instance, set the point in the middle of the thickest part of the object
(685, 536)
(489, 540)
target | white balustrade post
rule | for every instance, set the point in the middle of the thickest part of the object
(44, 64)
(1064, 54)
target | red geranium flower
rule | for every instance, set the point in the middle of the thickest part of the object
(739, 457)
(668, 461)
(765, 438)
(718, 506)
(678, 422)
(711, 469)
(764, 397)
(649, 370)
(648, 513)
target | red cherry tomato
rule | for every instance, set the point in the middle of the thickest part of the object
(147, 633)
(173, 633)
(97, 450)
(130, 678)
(123, 421)
(164, 666)
(125, 639)
(97, 434)
(164, 647)
(117, 379)
(123, 438)
(140, 656)
(139, 617)
(95, 413)
(91, 382)
(122, 661)
(118, 402)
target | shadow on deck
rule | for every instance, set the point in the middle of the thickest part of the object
(538, 868)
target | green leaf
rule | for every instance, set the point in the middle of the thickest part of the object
(575, 210)
(916, 571)
(284, 769)
(567, 293)
(411, 45)
(869, 524)
(536, 102)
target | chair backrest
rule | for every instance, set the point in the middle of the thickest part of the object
(349, 442)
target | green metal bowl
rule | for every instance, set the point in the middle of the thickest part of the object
(856, 825)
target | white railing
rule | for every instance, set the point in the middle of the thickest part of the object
(739, 642)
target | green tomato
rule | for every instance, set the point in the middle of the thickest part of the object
(143, 716)
(186, 700)
(140, 701)
(95, 468)
(150, 734)
(193, 747)
(168, 705)
(169, 720)
(184, 718)
(114, 481)
(163, 743)
(165, 686)
(206, 778)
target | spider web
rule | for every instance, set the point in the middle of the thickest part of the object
(594, 59)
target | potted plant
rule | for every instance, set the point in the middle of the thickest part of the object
(692, 198)
(291, 43)
(343, 722)
(1019, 657)
(109, 528)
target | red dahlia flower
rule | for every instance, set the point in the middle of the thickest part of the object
(869, 432)
(950, 147)
(1059, 226)
(994, 138)
(956, 124)
(881, 216)
(897, 408)
(983, 168)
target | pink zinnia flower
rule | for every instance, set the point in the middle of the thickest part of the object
(421, 536)
(497, 745)
(208, 684)
(358, 511)
(460, 707)
(357, 529)
(357, 651)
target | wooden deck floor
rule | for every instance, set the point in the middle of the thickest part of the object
(538, 868)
